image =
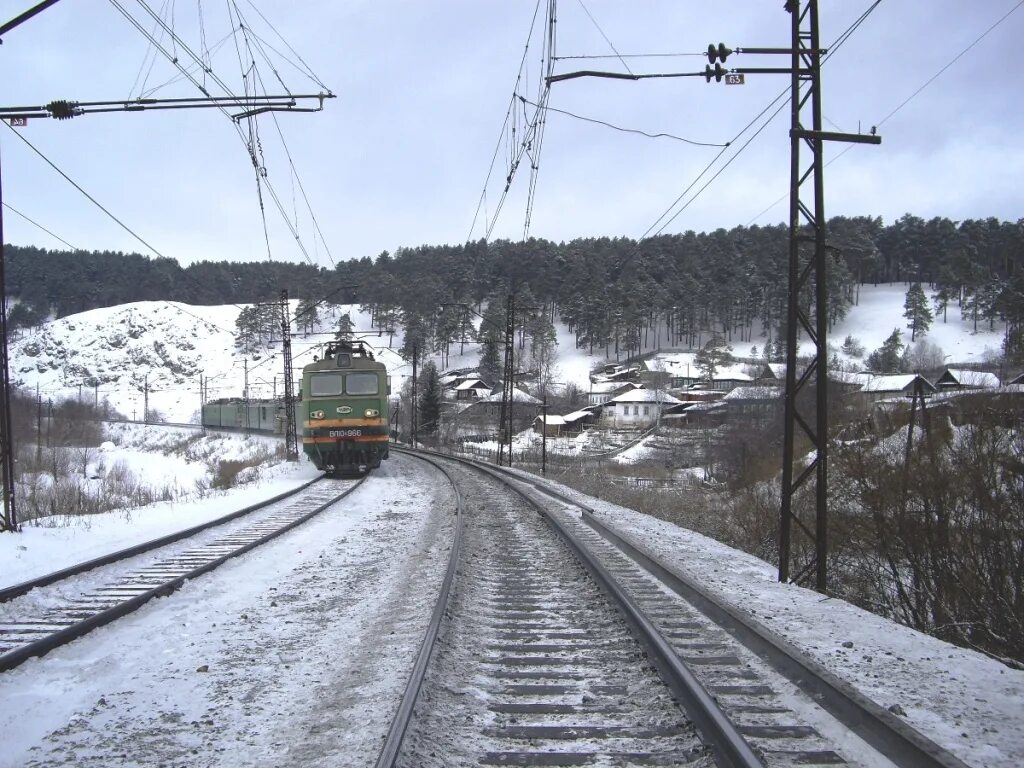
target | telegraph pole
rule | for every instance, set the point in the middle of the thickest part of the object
(291, 440)
(414, 416)
(145, 400)
(508, 385)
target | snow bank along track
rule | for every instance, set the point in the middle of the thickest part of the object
(534, 669)
(37, 622)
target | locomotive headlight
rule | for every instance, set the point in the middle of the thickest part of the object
(371, 413)
(316, 414)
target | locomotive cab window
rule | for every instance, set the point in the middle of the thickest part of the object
(325, 384)
(361, 384)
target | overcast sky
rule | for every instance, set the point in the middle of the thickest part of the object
(400, 157)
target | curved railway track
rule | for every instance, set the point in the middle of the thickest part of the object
(49, 612)
(534, 666)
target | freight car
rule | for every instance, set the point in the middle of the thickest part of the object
(344, 409)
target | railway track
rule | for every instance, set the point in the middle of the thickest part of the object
(549, 659)
(53, 610)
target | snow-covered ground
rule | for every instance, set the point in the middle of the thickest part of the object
(291, 638)
(292, 654)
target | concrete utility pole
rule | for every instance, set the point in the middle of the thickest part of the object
(291, 440)
(508, 384)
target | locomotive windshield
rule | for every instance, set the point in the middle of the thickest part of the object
(331, 384)
(361, 384)
(325, 384)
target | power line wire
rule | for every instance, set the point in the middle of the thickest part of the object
(92, 199)
(37, 224)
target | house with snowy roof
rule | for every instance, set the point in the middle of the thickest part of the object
(549, 424)
(755, 403)
(959, 378)
(471, 389)
(602, 392)
(887, 386)
(485, 413)
(638, 407)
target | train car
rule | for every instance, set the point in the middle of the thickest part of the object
(265, 416)
(344, 410)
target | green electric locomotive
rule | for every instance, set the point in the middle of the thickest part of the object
(345, 410)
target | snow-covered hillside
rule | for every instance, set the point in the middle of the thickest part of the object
(111, 353)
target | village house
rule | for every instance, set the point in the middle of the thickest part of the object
(602, 392)
(883, 387)
(760, 404)
(577, 421)
(958, 378)
(638, 408)
(549, 425)
(484, 414)
(471, 389)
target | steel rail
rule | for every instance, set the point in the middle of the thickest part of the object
(16, 590)
(885, 732)
(403, 716)
(48, 643)
(730, 748)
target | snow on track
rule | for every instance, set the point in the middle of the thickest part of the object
(295, 653)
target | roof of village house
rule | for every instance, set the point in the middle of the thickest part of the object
(755, 393)
(518, 396)
(607, 387)
(681, 364)
(645, 396)
(891, 382)
(472, 384)
(552, 420)
(577, 415)
(968, 378)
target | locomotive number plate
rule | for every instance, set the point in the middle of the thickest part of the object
(346, 433)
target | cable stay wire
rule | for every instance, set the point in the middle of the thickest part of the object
(544, 87)
(40, 226)
(585, 119)
(510, 117)
(251, 142)
(912, 96)
(629, 56)
(610, 44)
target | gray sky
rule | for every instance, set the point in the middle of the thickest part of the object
(400, 157)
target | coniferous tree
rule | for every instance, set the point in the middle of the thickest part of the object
(888, 357)
(344, 328)
(429, 405)
(916, 310)
(712, 356)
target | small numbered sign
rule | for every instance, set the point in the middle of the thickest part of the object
(734, 79)
(18, 122)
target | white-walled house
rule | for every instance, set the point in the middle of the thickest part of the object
(638, 407)
(602, 392)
